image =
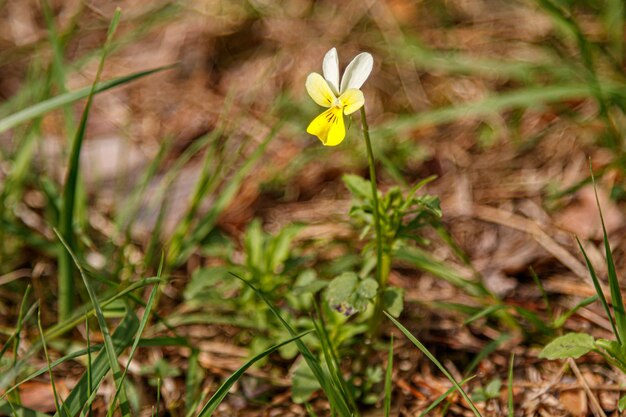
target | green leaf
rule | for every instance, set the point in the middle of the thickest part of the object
(622, 404)
(340, 290)
(280, 247)
(308, 283)
(571, 345)
(365, 291)
(304, 383)
(359, 187)
(393, 300)
(347, 293)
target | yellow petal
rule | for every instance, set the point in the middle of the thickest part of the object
(319, 90)
(352, 100)
(328, 127)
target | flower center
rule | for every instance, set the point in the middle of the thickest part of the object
(337, 103)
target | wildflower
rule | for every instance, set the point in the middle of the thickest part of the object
(340, 98)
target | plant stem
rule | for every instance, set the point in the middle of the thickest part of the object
(383, 261)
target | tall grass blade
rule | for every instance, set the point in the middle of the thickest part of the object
(434, 360)
(193, 383)
(89, 371)
(598, 288)
(108, 343)
(616, 292)
(61, 100)
(66, 269)
(332, 359)
(45, 352)
(80, 397)
(142, 326)
(388, 379)
(510, 387)
(58, 68)
(523, 98)
(222, 391)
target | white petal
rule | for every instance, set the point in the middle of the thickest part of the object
(357, 71)
(319, 90)
(330, 68)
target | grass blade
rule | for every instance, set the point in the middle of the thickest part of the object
(484, 312)
(598, 288)
(560, 320)
(332, 359)
(45, 352)
(434, 360)
(207, 222)
(616, 292)
(222, 391)
(80, 396)
(388, 376)
(89, 371)
(193, 383)
(510, 387)
(61, 100)
(66, 269)
(108, 343)
(142, 326)
(529, 97)
(68, 357)
(443, 396)
(16, 410)
(424, 261)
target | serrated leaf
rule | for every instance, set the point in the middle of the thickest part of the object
(348, 294)
(365, 291)
(393, 300)
(340, 289)
(571, 345)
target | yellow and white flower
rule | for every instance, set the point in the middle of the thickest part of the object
(340, 98)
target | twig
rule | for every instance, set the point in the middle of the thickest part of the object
(598, 411)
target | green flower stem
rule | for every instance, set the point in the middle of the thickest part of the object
(383, 260)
